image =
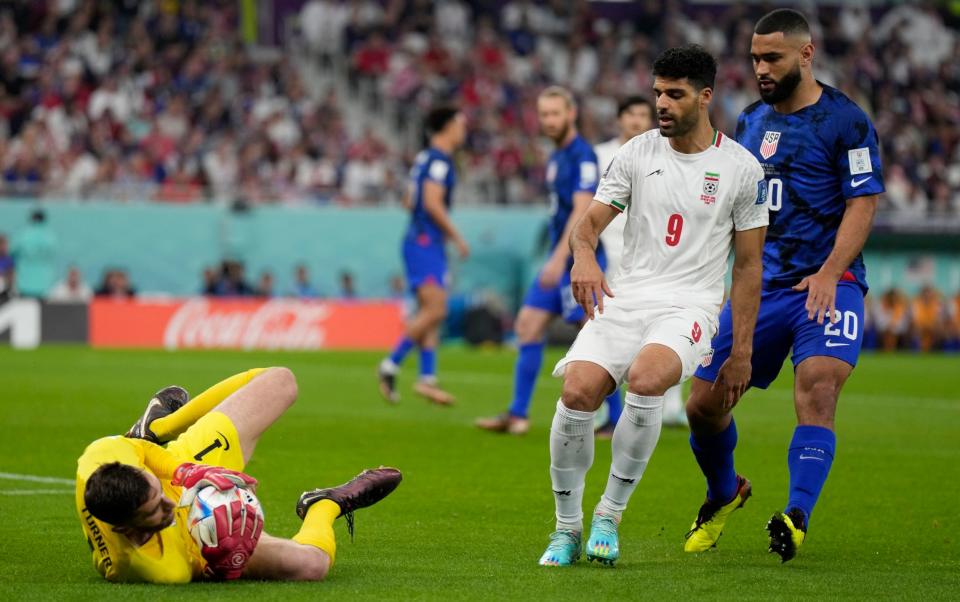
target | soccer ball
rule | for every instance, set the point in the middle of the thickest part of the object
(200, 519)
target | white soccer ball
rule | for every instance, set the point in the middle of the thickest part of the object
(200, 519)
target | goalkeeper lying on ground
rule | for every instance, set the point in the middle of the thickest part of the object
(128, 489)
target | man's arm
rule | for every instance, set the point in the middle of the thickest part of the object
(851, 236)
(586, 277)
(734, 375)
(434, 206)
(553, 270)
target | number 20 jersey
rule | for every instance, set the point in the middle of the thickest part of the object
(682, 210)
(814, 160)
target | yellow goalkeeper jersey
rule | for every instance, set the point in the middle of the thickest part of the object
(171, 555)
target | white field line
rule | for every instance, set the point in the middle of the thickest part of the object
(36, 491)
(35, 478)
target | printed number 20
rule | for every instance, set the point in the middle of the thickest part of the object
(674, 228)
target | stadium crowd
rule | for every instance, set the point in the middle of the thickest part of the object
(163, 100)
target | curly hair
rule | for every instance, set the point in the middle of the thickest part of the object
(692, 62)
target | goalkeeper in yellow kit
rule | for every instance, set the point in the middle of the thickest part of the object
(128, 489)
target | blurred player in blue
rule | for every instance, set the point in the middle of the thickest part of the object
(821, 157)
(572, 177)
(432, 179)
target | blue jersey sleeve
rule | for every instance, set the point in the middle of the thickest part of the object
(588, 172)
(438, 170)
(858, 155)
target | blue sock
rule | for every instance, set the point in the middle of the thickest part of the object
(401, 350)
(428, 363)
(810, 456)
(614, 406)
(714, 454)
(525, 376)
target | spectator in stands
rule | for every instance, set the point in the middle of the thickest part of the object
(115, 285)
(953, 323)
(210, 281)
(7, 272)
(893, 320)
(71, 289)
(928, 314)
(35, 251)
(232, 281)
(347, 289)
(265, 284)
(302, 288)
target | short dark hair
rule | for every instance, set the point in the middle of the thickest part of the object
(439, 117)
(783, 20)
(114, 492)
(692, 62)
(632, 101)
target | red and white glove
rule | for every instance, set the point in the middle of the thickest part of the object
(194, 477)
(238, 530)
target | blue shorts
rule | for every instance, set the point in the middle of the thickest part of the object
(559, 299)
(424, 264)
(782, 323)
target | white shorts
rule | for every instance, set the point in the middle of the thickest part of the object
(614, 338)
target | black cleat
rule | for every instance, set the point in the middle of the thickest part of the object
(166, 401)
(387, 382)
(365, 489)
(787, 532)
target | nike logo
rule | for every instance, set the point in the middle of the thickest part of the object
(225, 440)
(627, 481)
(566, 493)
(832, 344)
(803, 457)
(659, 172)
(683, 336)
(854, 183)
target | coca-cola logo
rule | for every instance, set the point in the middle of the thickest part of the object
(275, 324)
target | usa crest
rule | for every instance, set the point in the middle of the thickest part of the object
(768, 147)
(711, 185)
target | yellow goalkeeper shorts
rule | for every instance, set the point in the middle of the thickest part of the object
(211, 440)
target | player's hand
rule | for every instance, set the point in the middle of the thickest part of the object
(463, 249)
(194, 477)
(552, 272)
(733, 378)
(238, 531)
(821, 296)
(589, 285)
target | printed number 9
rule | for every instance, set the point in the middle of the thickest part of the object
(674, 228)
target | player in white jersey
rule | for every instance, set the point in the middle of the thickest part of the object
(690, 193)
(634, 117)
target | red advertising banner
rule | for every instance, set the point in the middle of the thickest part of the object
(206, 323)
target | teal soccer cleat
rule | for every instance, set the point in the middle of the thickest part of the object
(564, 549)
(604, 543)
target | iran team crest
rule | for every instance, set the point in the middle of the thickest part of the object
(711, 184)
(768, 147)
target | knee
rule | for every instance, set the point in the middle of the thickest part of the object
(527, 330)
(315, 566)
(646, 384)
(286, 383)
(577, 396)
(703, 412)
(817, 402)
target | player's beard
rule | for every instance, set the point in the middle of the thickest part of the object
(561, 134)
(681, 125)
(782, 89)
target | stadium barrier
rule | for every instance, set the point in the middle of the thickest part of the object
(204, 323)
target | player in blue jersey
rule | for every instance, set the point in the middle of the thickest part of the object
(432, 179)
(821, 159)
(572, 177)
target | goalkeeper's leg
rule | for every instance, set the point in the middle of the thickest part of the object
(173, 425)
(281, 559)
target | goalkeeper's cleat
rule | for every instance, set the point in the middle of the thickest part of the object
(432, 393)
(504, 423)
(604, 543)
(165, 402)
(365, 489)
(564, 549)
(387, 381)
(708, 527)
(787, 532)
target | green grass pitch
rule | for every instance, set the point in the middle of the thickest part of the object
(473, 513)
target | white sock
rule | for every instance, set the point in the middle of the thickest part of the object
(633, 443)
(387, 366)
(673, 410)
(571, 455)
